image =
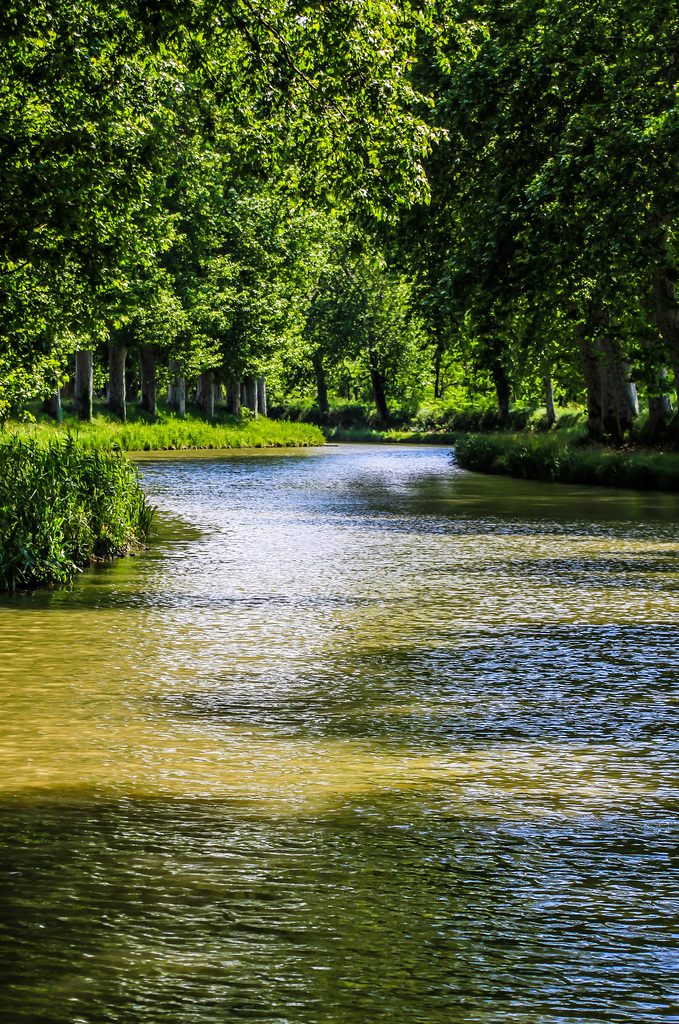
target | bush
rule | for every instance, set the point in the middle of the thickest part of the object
(62, 507)
(551, 457)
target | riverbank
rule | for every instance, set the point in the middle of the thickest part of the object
(568, 459)
(64, 506)
(168, 432)
(368, 436)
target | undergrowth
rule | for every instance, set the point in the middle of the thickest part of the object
(567, 459)
(357, 421)
(63, 506)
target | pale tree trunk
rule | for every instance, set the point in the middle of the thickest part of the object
(625, 400)
(116, 380)
(176, 392)
(149, 384)
(205, 393)
(261, 395)
(321, 384)
(82, 392)
(52, 405)
(251, 400)
(549, 400)
(377, 382)
(501, 381)
(590, 363)
(219, 393)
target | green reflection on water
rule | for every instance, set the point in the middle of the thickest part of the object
(359, 738)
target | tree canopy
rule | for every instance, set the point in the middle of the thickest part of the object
(418, 197)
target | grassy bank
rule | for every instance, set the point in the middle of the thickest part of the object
(170, 432)
(567, 459)
(63, 506)
(356, 435)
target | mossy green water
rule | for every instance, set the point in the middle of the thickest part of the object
(360, 737)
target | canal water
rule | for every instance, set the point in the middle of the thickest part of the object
(361, 738)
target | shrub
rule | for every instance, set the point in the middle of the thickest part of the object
(552, 457)
(63, 506)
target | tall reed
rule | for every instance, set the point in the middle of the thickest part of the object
(62, 507)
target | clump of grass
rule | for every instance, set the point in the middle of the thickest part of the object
(567, 459)
(391, 436)
(171, 432)
(62, 507)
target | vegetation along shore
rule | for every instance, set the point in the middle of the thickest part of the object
(431, 251)
(558, 458)
(62, 507)
(167, 431)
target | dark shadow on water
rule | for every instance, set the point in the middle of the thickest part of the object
(154, 910)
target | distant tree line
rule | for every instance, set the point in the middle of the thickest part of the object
(431, 200)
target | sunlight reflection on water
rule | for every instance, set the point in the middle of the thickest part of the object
(361, 737)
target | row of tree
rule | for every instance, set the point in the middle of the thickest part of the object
(423, 199)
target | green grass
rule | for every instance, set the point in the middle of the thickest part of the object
(170, 432)
(63, 506)
(568, 459)
(391, 436)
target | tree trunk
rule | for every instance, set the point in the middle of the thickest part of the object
(549, 400)
(321, 384)
(625, 400)
(666, 311)
(437, 367)
(261, 395)
(116, 380)
(52, 405)
(377, 382)
(82, 392)
(219, 393)
(251, 400)
(176, 392)
(502, 390)
(205, 393)
(234, 398)
(149, 384)
(590, 363)
(243, 393)
(609, 418)
(659, 412)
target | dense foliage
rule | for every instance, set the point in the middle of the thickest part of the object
(423, 201)
(62, 507)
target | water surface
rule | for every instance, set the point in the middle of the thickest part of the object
(360, 738)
